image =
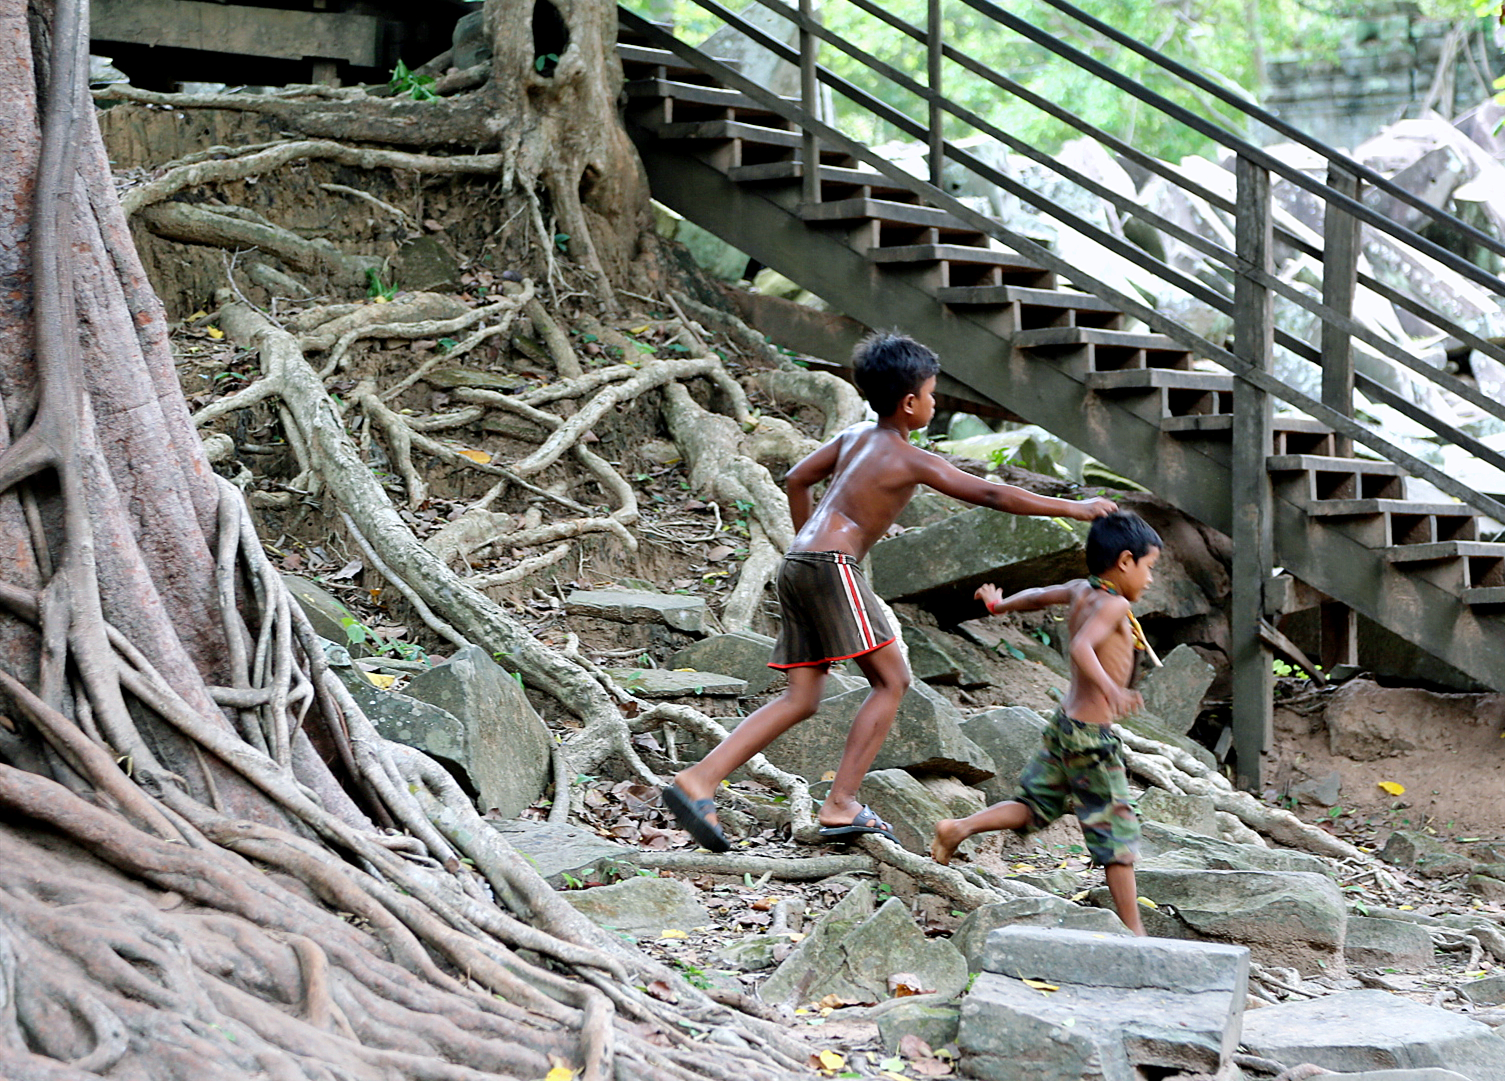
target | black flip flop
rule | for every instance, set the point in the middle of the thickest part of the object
(865, 822)
(691, 815)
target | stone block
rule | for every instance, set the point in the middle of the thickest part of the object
(1426, 1073)
(1166, 845)
(414, 723)
(508, 746)
(912, 808)
(1321, 791)
(325, 611)
(1371, 943)
(683, 613)
(1196, 814)
(943, 564)
(1488, 887)
(1174, 691)
(423, 264)
(1424, 854)
(642, 907)
(1043, 910)
(926, 736)
(1097, 959)
(928, 660)
(1356, 1031)
(1489, 991)
(556, 849)
(855, 958)
(1294, 920)
(674, 683)
(1010, 736)
(936, 1025)
(742, 654)
(753, 953)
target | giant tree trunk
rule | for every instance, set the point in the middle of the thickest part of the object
(214, 866)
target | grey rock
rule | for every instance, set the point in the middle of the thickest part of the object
(470, 43)
(1197, 814)
(1322, 791)
(928, 660)
(1061, 881)
(944, 563)
(1371, 1030)
(1009, 736)
(1011, 1031)
(820, 952)
(326, 612)
(1165, 845)
(669, 683)
(508, 746)
(1371, 943)
(901, 800)
(642, 907)
(1426, 1073)
(423, 264)
(1096, 959)
(1044, 910)
(742, 654)
(1293, 920)
(1487, 887)
(414, 723)
(556, 849)
(1489, 851)
(993, 636)
(683, 613)
(928, 507)
(754, 953)
(855, 959)
(1489, 991)
(454, 376)
(1424, 854)
(936, 1025)
(1174, 691)
(926, 736)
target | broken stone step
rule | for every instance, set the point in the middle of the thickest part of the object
(642, 907)
(741, 654)
(556, 850)
(1371, 943)
(672, 683)
(683, 613)
(1096, 959)
(1356, 1031)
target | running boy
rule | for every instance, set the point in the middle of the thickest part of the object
(1081, 766)
(829, 612)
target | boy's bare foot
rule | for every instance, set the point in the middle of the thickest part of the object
(948, 834)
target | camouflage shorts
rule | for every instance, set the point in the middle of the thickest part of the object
(1081, 768)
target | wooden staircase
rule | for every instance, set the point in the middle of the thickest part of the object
(1010, 332)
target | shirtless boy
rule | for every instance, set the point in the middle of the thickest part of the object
(1081, 765)
(829, 612)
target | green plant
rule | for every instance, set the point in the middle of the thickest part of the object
(446, 344)
(376, 288)
(694, 975)
(999, 457)
(418, 87)
(547, 60)
(571, 882)
(562, 242)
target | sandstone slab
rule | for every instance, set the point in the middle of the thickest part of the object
(557, 849)
(676, 683)
(1372, 943)
(1043, 910)
(683, 613)
(1356, 1031)
(1196, 814)
(1424, 854)
(508, 748)
(1010, 736)
(1174, 691)
(913, 808)
(1166, 845)
(936, 1025)
(642, 907)
(742, 654)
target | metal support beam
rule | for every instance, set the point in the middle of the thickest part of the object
(1253, 498)
(810, 102)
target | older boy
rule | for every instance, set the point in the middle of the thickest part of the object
(829, 612)
(1081, 766)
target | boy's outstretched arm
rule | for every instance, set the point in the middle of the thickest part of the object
(1109, 616)
(1026, 600)
(806, 474)
(949, 480)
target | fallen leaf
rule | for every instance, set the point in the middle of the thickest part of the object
(830, 1060)
(672, 932)
(931, 1067)
(349, 570)
(662, 991)
(1041, 985)
(796, 936)
(912, 1047)
(1393, 788)
(1078, 898)
(381, 679)
(1148, 903)
(832, 1002)
(480, 457)
(719, 552)
(829, 775)
(559, 1073)
(214, 332)
(904, 984)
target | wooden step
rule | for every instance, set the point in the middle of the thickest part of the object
(774, 172)
(1387, 523)
(1456, 566)
(966, 295)
(952, 253)
(1302, 433)
(662, 58)
(720, 131)
(887, 211)
(689, 93)
(1353, 508)
(1133, 380)
(1484, 597)
(1421, 553)
(1314, 477)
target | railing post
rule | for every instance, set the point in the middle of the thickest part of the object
(1253, 441)
(810, 102)
(1340, 272)
(934, 42)
(1341, 244)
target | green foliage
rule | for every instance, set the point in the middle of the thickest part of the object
(546, 63)
(358, 634)
(376, 288)
(418, 87)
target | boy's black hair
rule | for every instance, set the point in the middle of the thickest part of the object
(887, 365)
(1116, 533)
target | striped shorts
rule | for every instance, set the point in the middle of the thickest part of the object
(830, 612)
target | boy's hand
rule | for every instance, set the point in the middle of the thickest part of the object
(1095, 508)
(990, 595)
(1123, 701)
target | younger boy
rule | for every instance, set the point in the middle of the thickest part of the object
(829, 612)
(1081, 766)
